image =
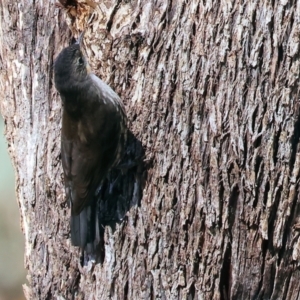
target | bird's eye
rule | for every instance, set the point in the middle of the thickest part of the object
(80, 61)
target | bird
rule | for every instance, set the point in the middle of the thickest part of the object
(93, 138)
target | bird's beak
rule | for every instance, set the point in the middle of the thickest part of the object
(80, 39)
(88, 68)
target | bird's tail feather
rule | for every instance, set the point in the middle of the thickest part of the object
(85, 229)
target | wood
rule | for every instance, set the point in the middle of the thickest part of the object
(211, 91)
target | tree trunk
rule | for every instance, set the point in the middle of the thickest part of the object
(211, 92)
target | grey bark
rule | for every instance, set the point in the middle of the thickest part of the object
(211, 92)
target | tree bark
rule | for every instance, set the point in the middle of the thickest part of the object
(211, 92)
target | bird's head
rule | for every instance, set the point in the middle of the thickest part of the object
(70, 69)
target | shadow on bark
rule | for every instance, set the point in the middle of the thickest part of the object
(121, 190)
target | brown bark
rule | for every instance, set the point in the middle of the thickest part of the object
(211, 92)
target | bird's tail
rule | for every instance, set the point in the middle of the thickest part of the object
(85, 229)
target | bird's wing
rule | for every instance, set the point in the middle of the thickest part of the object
(88, 152)
(82, 174)
(90, 145)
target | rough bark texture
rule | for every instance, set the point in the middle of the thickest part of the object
(211, 92)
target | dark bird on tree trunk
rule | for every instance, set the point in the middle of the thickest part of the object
(93, 138)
